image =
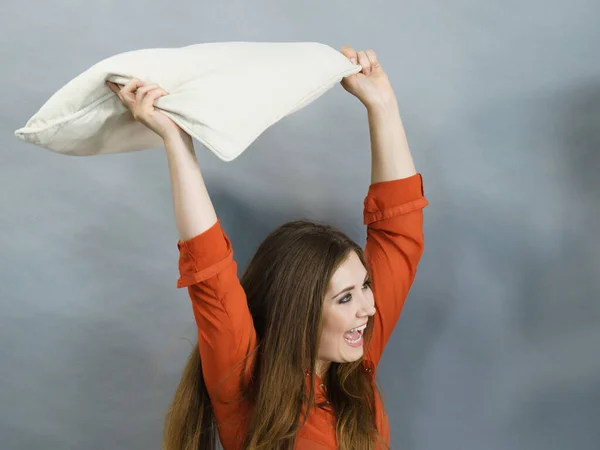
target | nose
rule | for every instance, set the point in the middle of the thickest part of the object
(367, 308)
(370, 311)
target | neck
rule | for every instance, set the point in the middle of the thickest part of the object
(322, 367)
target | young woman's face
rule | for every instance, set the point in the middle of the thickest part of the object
(347, 306)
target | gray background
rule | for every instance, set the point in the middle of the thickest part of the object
(499, 344)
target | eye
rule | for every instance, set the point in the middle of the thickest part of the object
(345, 299)
(348, 297)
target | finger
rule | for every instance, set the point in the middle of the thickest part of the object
(141, 92)
(151, 98)
(349, 53)
(113, 87)
(363, 60)
(117, 90)
(127, 92)
(373, 60)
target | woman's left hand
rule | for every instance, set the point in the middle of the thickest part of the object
(371, 85)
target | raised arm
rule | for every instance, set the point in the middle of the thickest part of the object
(393, 206)
(394, 218)
(206, 265)
(226, 334)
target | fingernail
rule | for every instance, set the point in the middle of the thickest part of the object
(353, 60)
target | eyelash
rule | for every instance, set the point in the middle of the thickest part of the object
(347, 298)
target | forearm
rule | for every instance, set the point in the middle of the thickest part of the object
(194, 211)
(390, 155)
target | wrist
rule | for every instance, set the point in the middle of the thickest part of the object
(384, 114)
(176, 134)
(383, 107)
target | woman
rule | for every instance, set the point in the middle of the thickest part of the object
(286, 356)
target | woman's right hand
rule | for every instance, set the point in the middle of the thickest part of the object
(139, 97)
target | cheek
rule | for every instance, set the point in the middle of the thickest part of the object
(336, 323)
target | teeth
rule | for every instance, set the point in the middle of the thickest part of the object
(362, 327)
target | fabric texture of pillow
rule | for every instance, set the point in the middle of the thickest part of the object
(223, 94)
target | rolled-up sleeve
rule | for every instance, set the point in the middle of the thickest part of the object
(203, 256)
(391, 198)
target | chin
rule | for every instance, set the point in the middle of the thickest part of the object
(353, 355)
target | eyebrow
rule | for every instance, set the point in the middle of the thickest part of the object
(349, 288)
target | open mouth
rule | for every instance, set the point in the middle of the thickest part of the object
(354, 337)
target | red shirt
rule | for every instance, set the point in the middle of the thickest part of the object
(394, 218)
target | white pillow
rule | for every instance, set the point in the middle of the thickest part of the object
(223, 94)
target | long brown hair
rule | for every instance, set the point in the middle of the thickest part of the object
(285, 284)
